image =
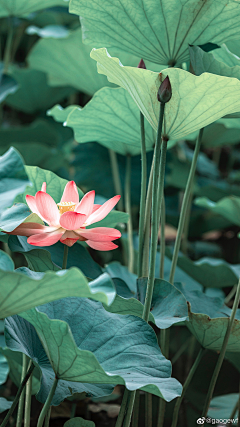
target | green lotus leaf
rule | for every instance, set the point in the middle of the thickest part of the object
(22, 337)
(13, 177)
(111, 118)
(8, 85)
(234, 46)
(222, 132)
(61, 114)
(79, 422)
(100, 352)
(158, 31)
(228, 207)
(4, 404)
(221, 407)
(196, 101)
(6, 263)
(116, 270)
(39, 260)
(24, 289)
(220, 61)
(34, 94)
(19, 8)
(211, 272)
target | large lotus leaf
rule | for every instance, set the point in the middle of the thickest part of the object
(116, 270)
(126, 306)
(13, 178)
(18, 213)
(25, 289)
(8, 84)
(157, 31)
(211, 272)
(228, 207)
(20, 8)
(6, 263)
(4, 404)
(111, 118)
(196, 101)
(78, 256)
(4, 369)
(107, 349)
(221, 407)
(22, 337)
(34, 94)
(220, 61)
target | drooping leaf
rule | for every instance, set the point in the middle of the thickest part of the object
(34, 94)
(24, 289)
(12, 176)
(111, 118)
(196, 101)
(4, 404)
(6, 263)
(98, 352)
(160, 32)
(30, 344)
(14, 216)
(228, 207)
(19, 8)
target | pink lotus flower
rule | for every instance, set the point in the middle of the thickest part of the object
(68, 219)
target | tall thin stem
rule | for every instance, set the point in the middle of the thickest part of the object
(27, 414)
(116, 177)
(162, 239)
(47, 418)
(19, 392)
(164, 340)
(148, 409)
(136, 410)
(65, 257)
(47, 404)
(22, 397)
(127, 419)
(123, 408)
(185, 202)
(8, 47)
(129, 211)
(222, 352)
(145, 259)
(186, 226)
(143, 195)
(185, 386)
(157, 195)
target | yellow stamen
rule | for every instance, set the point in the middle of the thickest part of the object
(66, 206)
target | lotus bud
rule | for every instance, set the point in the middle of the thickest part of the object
(165, 91)
(142, 64)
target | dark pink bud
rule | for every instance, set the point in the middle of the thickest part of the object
(142, 64)
(165, 91)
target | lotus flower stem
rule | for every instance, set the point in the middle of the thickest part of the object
(27, 414)
(123, 408)
(148, 409)
(127, 419)
(162, 239)
(143, 194)
(21, 400)
(128, 210)
(145, 259)
(136, 410)
(116, 177)
(65, 257)
(164, 340)
(185, 386)
(157, 195)
(19, 392)
(222, 352)
(184, 208)
(47, 404)
(47, 418)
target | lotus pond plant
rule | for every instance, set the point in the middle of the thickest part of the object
(121, 310)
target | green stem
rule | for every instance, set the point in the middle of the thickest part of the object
(230, 295)
(162, 239)
(136, 410)
(47, 418)
(116, 177)
(8, 47)
(65, 257)
(143, 195)
(185, 386)
(157, 195)
(148, 409)
(128, 416)
(165, 340)
(73, 410)
(27, 414)
(185, 202)
(145, 259)
(186, 226)
(123, 408)
(128, 210)
(22, 397)
(183, 347)
(19, 392)
(47, 404)
(222, 352)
